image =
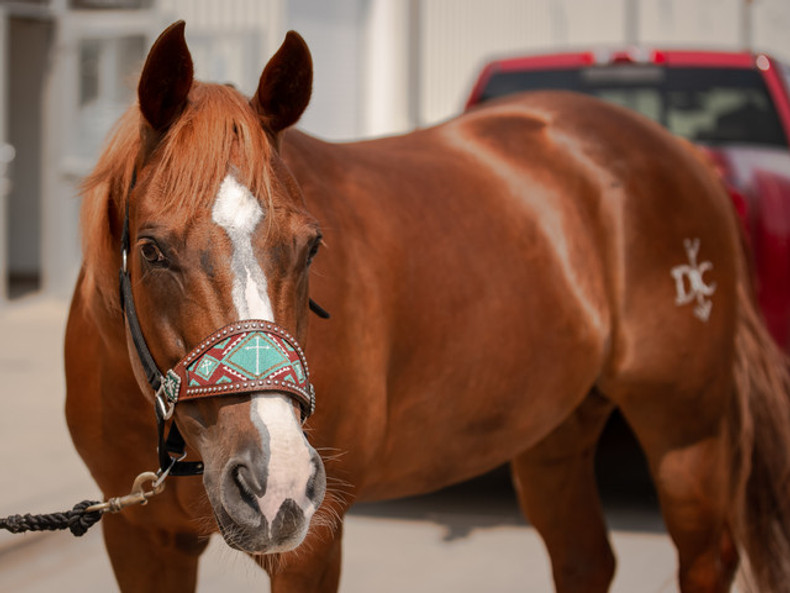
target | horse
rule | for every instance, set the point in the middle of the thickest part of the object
(497, 284)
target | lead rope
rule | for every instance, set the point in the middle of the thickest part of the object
(78, 520)
(87, 513)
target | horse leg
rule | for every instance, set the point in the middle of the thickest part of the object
(313, 568)
(148, 559)
(687, 453)
(555, 483)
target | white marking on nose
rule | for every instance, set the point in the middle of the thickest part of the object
(238, 212)
(290, 467)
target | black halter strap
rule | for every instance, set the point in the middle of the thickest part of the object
(171, 449)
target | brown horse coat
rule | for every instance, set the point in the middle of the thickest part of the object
(553, 254)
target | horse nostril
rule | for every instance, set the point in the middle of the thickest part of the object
(243, 478)
(242, 484)
(316, 485)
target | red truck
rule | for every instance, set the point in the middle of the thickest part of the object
(735, 105)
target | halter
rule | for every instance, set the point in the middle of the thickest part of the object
(249, 356)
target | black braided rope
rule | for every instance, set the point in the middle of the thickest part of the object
(76, 520)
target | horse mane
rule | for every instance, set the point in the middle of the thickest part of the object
(217, 131)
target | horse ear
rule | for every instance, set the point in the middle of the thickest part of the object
(166, 78)
(285, 85)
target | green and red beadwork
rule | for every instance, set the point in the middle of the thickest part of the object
(249, 356)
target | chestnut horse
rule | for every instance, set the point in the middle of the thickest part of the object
(498, 285)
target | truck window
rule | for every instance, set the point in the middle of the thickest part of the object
(706, 105)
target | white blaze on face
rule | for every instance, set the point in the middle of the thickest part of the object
(238, 212)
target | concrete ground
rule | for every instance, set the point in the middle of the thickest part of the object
(469, 538)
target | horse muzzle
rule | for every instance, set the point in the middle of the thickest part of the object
(263, 479)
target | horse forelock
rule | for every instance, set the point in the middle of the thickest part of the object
(217, 132)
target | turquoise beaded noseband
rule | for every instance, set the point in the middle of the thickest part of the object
(244, 357)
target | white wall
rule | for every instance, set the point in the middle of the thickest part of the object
(334, 33)
(229, 40)
(771, 27)
(702, 23)
(458, 36)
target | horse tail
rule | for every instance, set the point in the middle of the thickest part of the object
(760, 437)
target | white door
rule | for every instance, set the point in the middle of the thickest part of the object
(93, 82)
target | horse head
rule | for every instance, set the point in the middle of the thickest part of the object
(218, 236)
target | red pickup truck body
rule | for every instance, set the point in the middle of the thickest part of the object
(735, 105)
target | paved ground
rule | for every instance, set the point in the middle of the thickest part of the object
(470, 538)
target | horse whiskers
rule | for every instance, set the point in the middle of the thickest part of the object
(205, 524)
(229, 555)
(271, 563)
(331, 455)
(328, 519)
(329, 514)
(232, 539)
(331, 451)
(235, 559)
(330, 459)
(339, 486)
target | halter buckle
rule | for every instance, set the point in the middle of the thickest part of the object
(163, 404)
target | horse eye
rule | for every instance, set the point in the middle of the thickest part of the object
(313, 251)
(152, 254)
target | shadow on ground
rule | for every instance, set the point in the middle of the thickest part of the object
(486, 502)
